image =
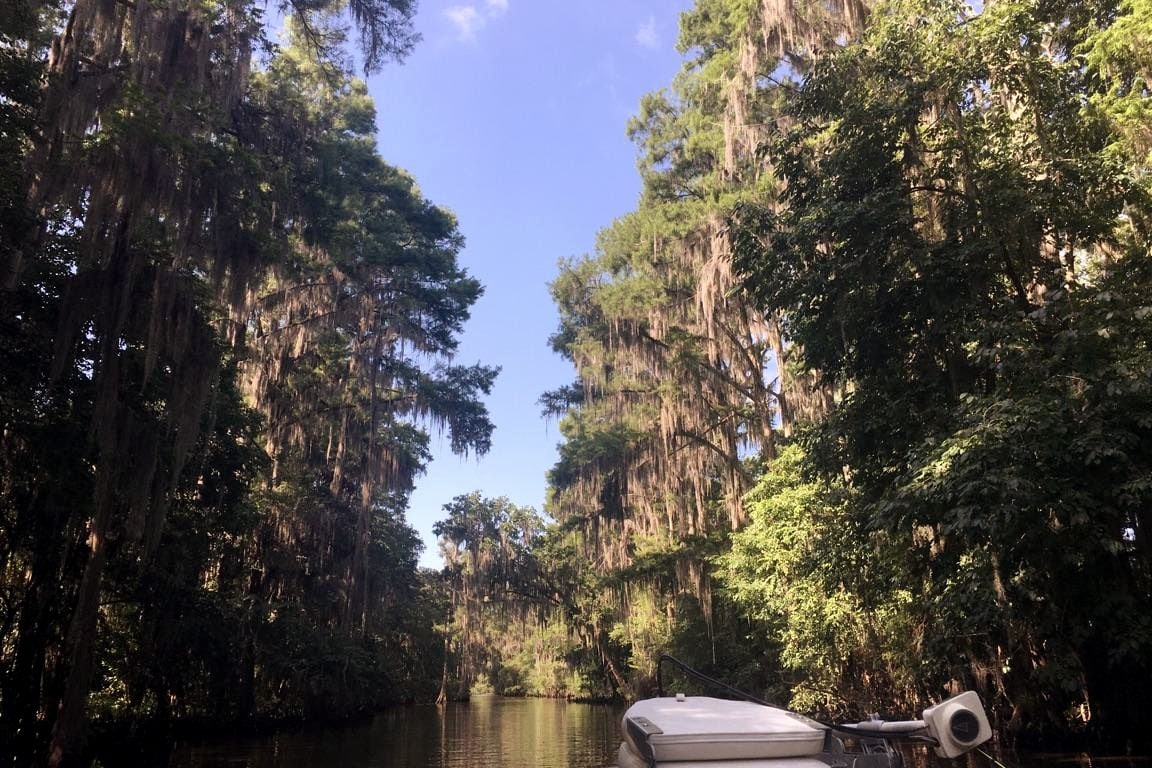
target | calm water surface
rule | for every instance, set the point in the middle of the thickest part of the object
(488, 732)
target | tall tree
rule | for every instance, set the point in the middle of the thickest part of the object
(350, 339)
(682, 378)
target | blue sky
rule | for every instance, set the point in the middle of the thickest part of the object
(512, 113)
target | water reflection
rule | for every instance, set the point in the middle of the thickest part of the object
(488, 732)
(491, 732)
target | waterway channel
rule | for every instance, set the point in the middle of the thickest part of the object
(493, 732)
(487, 732)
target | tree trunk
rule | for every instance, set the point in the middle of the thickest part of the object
(23, 686)
(24, 689)
(68, 730)
(442, 697)
(614, 674)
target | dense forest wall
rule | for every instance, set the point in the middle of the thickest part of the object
(227, 327)
(864, 380)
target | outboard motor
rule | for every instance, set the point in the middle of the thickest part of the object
(702, 732)
(958, 724)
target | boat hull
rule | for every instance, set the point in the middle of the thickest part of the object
(627, 758)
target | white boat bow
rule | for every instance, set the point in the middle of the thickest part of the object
(704, 732)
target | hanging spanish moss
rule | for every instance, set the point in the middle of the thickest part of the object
(186, 303)
(685, 382)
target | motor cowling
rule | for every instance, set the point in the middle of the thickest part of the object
(958, 724)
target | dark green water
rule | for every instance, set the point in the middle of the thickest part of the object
(488, 732)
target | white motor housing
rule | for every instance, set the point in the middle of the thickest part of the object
(958, 724)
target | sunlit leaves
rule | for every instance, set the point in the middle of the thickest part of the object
(828, 588)
(957, 247)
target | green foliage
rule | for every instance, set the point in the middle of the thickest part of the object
(850, 636)
(1118, 54)
(947, 211)
(311, 672)
(677, 371)
(226, 331)
(957, 249)
(498, 597)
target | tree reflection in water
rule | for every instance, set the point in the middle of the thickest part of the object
(487, 732)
